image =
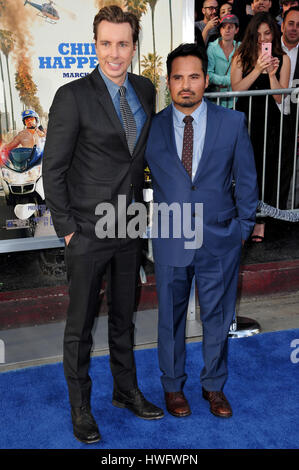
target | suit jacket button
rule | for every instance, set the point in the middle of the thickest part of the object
(193, 188)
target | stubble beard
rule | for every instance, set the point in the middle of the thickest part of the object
(290, 40)
(188, 103)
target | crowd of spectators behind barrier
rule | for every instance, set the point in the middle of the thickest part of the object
(232, 33)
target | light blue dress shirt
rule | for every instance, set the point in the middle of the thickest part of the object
(134, 103)
(199, 132)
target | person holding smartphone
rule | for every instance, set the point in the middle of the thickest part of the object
(261, 64)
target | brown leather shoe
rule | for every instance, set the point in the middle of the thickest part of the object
(177, 404)
(219, 404)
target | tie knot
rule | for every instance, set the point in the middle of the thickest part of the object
(122, 91)
(188, 119)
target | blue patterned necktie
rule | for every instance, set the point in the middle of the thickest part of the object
(187, 154)
(128, 120)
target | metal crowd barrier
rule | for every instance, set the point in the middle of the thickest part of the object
(294, 96)
(52, 241)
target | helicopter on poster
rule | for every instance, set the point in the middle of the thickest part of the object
(46, 11)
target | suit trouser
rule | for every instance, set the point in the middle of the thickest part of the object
(217, 283)
(87, 260)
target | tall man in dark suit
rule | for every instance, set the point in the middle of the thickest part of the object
(290, 45)
(94, 153)
(195, 151)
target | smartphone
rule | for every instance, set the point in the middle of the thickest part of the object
(267, 48)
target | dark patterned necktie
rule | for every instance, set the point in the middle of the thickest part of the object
(128, 120)
(187, 153)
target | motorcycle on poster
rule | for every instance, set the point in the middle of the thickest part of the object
(21, 174)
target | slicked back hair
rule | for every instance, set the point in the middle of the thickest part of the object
(115, 14)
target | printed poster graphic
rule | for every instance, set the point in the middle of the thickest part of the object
(43, 45)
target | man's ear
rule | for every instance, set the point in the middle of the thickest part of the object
(207, 81)
(134, 48)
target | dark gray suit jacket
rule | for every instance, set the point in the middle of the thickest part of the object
(86, 159)
(296, 77)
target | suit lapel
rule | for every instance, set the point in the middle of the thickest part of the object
(137, 85)
(104, 98)
(168, 130)
(296, 72)
(211, 136)
(139, 90)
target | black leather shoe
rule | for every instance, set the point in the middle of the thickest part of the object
(84, 425)
(135, 402)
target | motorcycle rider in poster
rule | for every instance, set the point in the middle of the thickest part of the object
(33, 134)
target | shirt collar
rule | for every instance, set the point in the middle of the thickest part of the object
(113, 88)
(178, 116)
(284, 47)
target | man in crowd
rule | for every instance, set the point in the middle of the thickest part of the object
(195, 150)
(208, 26)
(94, 151)
(290, 45)
(285, 6)
(258, 6)
(245, 10)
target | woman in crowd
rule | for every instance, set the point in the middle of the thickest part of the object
(225, 9)
(254, 69)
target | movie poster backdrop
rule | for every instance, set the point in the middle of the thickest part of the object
(43, 45)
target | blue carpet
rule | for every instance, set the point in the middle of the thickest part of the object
(262, 388)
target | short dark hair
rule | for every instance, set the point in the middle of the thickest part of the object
(183, 50)
(288, 11)
(114, 14)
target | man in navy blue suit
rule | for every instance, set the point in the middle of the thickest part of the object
(202, 164)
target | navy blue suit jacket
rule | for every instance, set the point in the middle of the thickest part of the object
(228, 210)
